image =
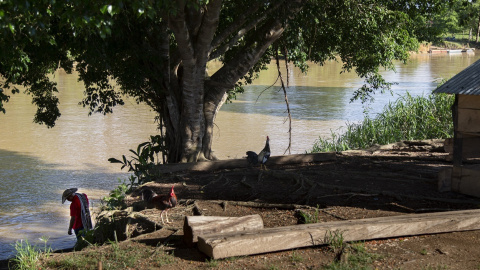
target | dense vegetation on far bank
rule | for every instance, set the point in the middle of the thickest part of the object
(408, 118)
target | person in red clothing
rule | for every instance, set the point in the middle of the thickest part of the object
(79, 212)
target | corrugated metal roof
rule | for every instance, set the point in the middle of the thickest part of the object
(467, 82)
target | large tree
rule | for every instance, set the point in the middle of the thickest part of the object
(469, 16)
(157, 51)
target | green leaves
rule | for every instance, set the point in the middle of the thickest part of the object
(143, 161)
(3, 98)
(116, 198)
(12, 28)
(107, 8)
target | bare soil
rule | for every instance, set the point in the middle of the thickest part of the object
(383, 181)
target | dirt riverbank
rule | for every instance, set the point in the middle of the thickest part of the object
(383, 181)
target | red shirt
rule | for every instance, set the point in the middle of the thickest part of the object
(76, 211)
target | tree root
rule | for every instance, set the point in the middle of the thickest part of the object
(214, 181)
(333, 215)
(262, 205)
(162, 245)
(146, 219)
(244, 182)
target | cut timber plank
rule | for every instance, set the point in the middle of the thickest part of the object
(297, 236)
(470, 146)
(468, 120)
(195, 226)
(242, 163)
(466, 180)
(468, 102)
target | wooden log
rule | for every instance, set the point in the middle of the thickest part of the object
(297, 236)
(242, 163)
(194, 226)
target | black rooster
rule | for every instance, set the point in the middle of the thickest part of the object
(262, 157)
(161, 202)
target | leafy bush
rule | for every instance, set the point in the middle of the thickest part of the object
(143, 163)
(116, 198)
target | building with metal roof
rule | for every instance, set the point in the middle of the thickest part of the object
(465, 145)
(467, 82)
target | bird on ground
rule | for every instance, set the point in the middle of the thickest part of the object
(161, 202)
(254, 158)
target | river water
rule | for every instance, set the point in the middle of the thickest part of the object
(37, 164)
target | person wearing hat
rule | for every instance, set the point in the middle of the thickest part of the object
(79, 211)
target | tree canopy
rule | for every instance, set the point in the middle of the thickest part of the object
(157, 51)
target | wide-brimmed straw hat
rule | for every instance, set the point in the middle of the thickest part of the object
(67, 193)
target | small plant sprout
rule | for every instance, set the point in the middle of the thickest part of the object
(335, 240)
(296, 257)
(212, 263)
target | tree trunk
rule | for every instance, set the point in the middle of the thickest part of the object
(193, 100)
(478, 28)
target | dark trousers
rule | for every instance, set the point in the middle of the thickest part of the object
(77, 231)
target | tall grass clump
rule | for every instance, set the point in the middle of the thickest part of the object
(28, 255)
(408, 118)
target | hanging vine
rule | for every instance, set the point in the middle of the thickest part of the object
(286, 101)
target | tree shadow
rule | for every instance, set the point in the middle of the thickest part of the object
(400, 184)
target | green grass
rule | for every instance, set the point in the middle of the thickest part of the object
(211, 263)
(28, 256)
(113, 256)
(360, 255)
(408, 118)
(296, 257)
(165, 259)
(307, 218)
(358, 258)
(335, 241)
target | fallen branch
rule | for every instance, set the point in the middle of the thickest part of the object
(242, 163)
(398, 195)
(333, 215)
